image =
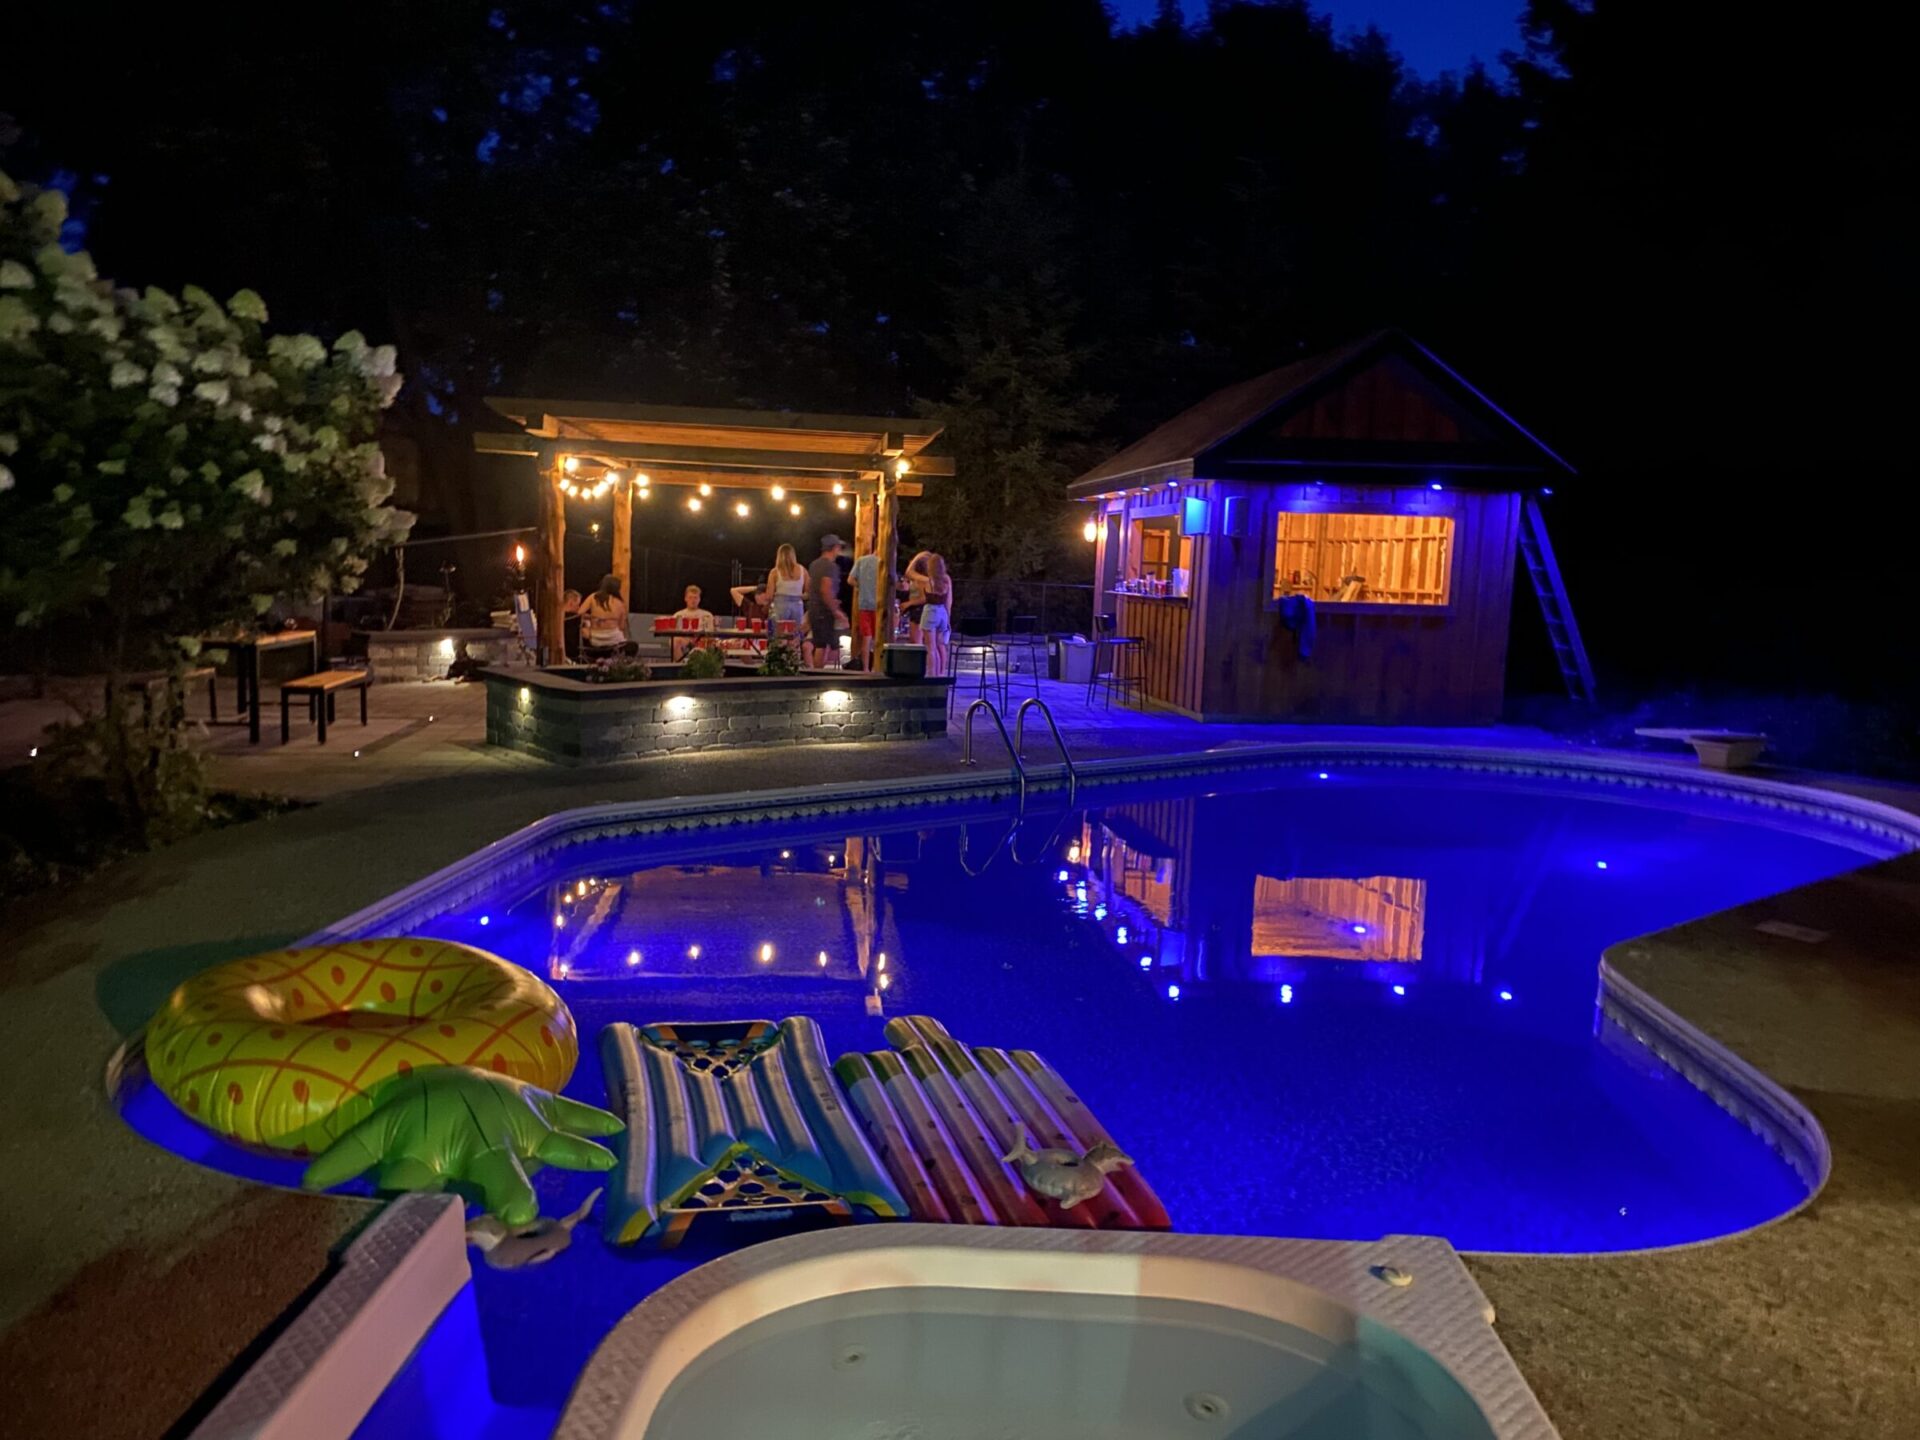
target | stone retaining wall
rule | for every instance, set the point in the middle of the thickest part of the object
(575, 722)
(426, 654)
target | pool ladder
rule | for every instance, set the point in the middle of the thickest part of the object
(1017, 743)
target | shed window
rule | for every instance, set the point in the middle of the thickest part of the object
(1365, 559)
(1159, 558)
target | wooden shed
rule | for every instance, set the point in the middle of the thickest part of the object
(1335, 541)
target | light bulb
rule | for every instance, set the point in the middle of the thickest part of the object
(841, 502)
(778, 492)
(570, 464)
(1090, 531)
(838, 487)
(693, 502)
(740, 509)
(705, 488)
(794, 508)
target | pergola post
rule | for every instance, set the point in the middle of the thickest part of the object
(887, 545)
(623, 537)
(550, 617)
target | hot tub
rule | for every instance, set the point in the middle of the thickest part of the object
(947, 1333)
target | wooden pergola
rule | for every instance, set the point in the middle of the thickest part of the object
(585, 450)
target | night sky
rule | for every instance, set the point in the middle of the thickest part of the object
(1433, 35)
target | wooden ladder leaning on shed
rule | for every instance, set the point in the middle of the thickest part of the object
(1555, 608)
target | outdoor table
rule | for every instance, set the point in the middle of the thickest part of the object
(246, 649)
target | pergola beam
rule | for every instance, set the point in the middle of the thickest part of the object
(648, 455)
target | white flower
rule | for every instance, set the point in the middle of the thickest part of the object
(107, 327)
(165, 373)
(262, 604)
(49, 207)
(62, 493)
(210, 362)
(351, 343)
(284, 547)
(16, 320)
(125, 373)
(63, 264)
(168, 395)
(112, 467)
(303, 352)
(390, 389)
(215, 391)
(238, 410)
(6, 479)
(170, 518)
(15, 276)
(61, 323)
(271, 424)
(253, 485)
(137, 515)
(246, 305)
(381, 360)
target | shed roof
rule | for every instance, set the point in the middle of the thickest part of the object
(1224, 414)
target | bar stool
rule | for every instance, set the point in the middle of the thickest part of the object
(1024, 637)
(974, 639)
(1125, 667)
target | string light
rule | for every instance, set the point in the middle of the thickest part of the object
(705, 488)
(841, 502)
(838, 487)
(902, 466)
(794, 508)
(570, 464)
(778, 492)
(740, 509)
(693, 502)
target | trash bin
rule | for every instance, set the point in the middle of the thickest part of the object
(1075, 659)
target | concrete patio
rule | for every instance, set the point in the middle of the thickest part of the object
(118, 1257)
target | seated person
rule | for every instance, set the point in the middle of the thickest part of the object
(603, 621)
(570, 622)
(690, 616)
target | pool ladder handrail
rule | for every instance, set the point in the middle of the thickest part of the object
(966, 742)
(1034, 702)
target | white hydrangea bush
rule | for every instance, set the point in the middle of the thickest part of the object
(166, 466)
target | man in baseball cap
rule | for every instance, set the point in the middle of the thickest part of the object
(825, 618)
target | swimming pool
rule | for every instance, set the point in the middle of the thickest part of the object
(1329, 998)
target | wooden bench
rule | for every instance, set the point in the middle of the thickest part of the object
(320, 688)
(149, 683)
(1717, 749)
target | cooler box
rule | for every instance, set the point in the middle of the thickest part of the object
(1075, 660)
(905, 662)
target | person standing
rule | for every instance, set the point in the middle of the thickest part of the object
(866, 607)
(915, 600)
(936, 619)
(825, 617)
(603, 621)
(786, 592)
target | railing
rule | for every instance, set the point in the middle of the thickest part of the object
(966, 743)
(1034, 702)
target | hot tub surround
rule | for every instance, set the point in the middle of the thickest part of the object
(556, 716)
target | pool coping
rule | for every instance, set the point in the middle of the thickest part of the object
(1740, 1088)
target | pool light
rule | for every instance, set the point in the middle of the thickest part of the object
(1436, 485)
(486, 919)
(1323, 775)
(680, 704)
(1506, 994)
(1399, 989)
(1173, 992)
(1286, 994)
(1146, 962)
(1599, 864)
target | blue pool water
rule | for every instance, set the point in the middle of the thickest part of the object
(1334, 1003)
